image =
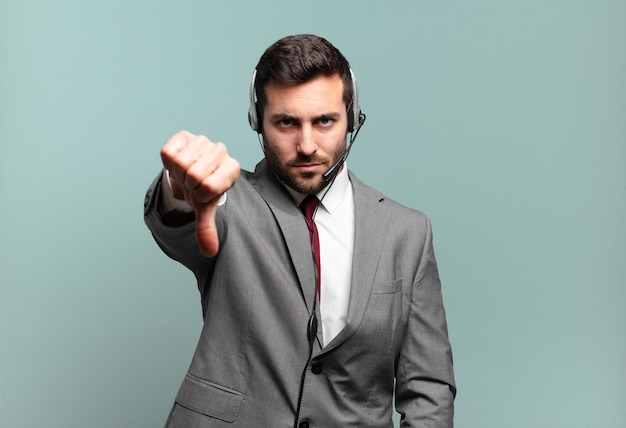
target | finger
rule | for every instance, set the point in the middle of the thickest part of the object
(218, 181)
(172, 147)
(182, 152)
(188, 156)
(206, 231)
(208, 158)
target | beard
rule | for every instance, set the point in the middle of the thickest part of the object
(306, 182)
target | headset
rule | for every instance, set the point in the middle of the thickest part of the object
(355, 117)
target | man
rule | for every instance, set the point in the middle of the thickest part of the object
(358, 262)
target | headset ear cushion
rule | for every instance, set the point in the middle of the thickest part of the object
(258, 119)
(354, 112)
(351, 118)
(253, 118)
(253, 110)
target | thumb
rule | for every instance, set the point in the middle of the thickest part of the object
(206, 232)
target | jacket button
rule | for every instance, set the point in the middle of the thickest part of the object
(303, 424)
(317, 368)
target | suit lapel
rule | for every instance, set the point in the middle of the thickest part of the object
(293, 228)
(371, 225)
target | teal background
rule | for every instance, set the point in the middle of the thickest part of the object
(504, 121)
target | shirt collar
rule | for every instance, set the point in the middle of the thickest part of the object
(331, 195)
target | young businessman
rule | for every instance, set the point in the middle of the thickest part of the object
(315, 313)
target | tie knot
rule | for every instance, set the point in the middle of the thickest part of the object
(309, 205)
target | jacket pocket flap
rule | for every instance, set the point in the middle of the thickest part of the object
(209, 398)
(387, 287)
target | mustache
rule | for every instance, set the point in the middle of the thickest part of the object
(305, 160)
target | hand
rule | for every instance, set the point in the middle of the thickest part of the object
(200, 172)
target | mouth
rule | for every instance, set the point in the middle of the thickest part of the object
(308, 167)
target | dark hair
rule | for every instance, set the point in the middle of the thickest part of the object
(297, 59)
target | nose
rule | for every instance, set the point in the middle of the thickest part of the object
(306, 142)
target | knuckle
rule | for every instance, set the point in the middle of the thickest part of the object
(201, 140)
(166, 152)
(220, 149)
(174, 144)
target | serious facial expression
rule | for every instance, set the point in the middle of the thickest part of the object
(304, 130)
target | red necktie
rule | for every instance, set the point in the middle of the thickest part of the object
(308, 207)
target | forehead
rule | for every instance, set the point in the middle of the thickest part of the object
(321, 92)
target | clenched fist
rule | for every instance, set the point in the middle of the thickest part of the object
(200, 172)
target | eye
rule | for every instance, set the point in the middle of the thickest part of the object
(285, 122)
(326, 121)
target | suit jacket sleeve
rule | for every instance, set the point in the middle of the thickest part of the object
(425, 388)
(178, 242)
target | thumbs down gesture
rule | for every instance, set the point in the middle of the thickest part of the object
(200, 171)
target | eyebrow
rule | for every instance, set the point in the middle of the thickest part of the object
(281, 116)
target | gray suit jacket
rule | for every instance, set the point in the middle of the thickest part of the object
(257, 294)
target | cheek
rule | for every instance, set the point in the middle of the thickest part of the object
(278, 148)
(336, 143)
